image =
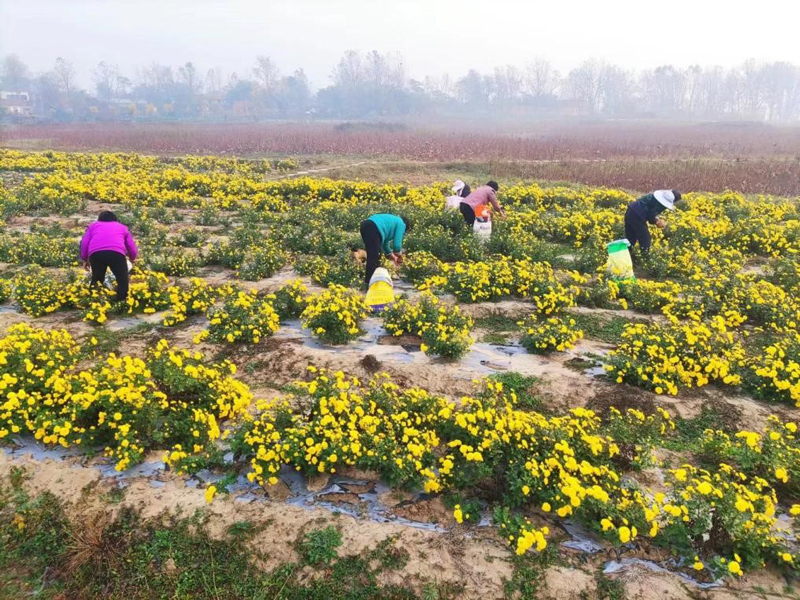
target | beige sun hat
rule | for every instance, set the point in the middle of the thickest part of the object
(665, 198)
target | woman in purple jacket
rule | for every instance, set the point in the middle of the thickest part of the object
(105, 244)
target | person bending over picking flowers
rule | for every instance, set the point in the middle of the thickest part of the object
(105, 244)
(383, 233)
(460, 191)
(474, 203)
(647, 210)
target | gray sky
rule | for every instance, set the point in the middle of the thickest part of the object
(434, 36)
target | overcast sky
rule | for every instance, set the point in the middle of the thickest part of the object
(433, 36)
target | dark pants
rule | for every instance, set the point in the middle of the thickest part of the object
(469, 214)
(636, 230)
(373, 245)
(102, 260)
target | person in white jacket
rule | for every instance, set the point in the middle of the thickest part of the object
(460, 191)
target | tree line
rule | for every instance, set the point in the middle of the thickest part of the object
(376, 84)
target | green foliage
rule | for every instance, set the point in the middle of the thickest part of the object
(341, 269)
(172, 261)
(192, 237)
(319, 547)
(522, 386)
(444, 330)
(290, 300)
(39, 249)
(544, 335)
(262, 261)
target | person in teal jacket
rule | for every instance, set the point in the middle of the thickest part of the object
(383, 233)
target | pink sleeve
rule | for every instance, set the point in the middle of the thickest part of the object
(493, 200)
(87, 237)
(130, 245)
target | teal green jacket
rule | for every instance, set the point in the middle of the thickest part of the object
(392, 230)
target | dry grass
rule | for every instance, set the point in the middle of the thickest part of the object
(751, 158)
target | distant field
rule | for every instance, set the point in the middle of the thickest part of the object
(638, 155)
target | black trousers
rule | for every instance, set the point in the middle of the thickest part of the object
(102, 260)
(374, 247)
(636, 230)
(469, 214)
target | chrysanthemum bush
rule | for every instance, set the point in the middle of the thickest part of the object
(262, 261)
(419, 266)
(541, 335)
(172, 261)
(444, 329)
(637, 434)
(290, 300)
(195, 299)
(772, 454)
(39, 249)
(502, 278)
(665, 358)
(148, 293)
(649, 296)
(773, 370)
(767, 304)
(567, 465)
(39, 292)
(371, 426)
(173, 399)
(244, 317)
(334, 315)
(599, 292)
(724, 513)
(341, 269)
(6, 289)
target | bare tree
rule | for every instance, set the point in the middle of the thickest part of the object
(350, 71)
(109, 82)
(506, 84)
(15, 74)
(617, 87)
(541, 78)
(157, 76)
(664, 89)
(188, 75)
(376, 68)
(712, 92)
(438, 87)
(472, 88)
(65, 75)
(396, 70)
(266, 73)
(585, 83)
(751, 80)
(214, 80)
(781, 85)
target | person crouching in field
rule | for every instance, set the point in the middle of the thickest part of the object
(647, 210)
(474, 203)
(460, 191)
(106, 244)
(383, 233)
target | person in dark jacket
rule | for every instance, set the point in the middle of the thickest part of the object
(647, 210)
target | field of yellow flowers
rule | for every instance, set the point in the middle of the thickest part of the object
(231, 256)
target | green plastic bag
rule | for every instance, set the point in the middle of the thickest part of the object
(620, 265)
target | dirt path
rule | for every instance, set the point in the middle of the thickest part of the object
(449, 554)
(307, 172)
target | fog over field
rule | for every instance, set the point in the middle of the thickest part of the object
(247, 59)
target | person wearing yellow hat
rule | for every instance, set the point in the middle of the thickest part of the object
(647, 210)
